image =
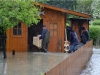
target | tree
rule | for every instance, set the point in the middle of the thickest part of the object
(96, 9)
(84, 6)
(43, 1)
(67, 4)
(14, 11)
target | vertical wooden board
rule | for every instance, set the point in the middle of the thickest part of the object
(53, 44)
(75, 27)
(55, 47)
(24, 38)
(61, 68)
(73, 65)
(17, 43)
(62, 29)
(14, 44)
(50, 46)
(52, 16)
(86, 25)
(53, 71)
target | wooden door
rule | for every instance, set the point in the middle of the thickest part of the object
(54, 36)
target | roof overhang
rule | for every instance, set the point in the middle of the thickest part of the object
(65, 10)
(79, 19)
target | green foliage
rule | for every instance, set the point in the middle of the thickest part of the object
(96, 8)
(67, 24)
(1, 30)
(67, 4)
(14, 11)
(41, 73)
(94, 33)
(43, 1)
(76, 5)
(96, 22)
(84, 6)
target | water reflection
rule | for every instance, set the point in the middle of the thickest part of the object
(29, 63)
(92, 67)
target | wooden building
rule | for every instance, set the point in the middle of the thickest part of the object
(19, 38)
(76, 24)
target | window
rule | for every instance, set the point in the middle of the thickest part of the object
(53, 29)
(17, 29)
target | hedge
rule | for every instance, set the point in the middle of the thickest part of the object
(94, 31)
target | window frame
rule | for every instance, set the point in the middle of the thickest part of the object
(21, 28)
(53, 29)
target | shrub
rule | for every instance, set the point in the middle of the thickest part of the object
(95, 33)
(96, 22)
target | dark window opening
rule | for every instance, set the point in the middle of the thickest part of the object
(17, 30)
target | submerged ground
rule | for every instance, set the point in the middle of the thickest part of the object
(93, 66)
(29, 63)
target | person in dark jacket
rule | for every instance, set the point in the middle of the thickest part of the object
(73, 39)
(84, 36)
(45, 36)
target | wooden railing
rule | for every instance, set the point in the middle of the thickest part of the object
(75, 63)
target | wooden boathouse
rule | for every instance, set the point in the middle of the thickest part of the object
(20, 38)
(77, 23)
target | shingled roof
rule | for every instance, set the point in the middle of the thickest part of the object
(66, 11)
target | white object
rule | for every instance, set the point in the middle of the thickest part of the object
(37, 42)
(66, 46)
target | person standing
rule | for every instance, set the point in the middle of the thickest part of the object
(45, 36)
(73, 39)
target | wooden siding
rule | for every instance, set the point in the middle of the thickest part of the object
(86, 24)
(54, 17)
(77, 24)
(17, 43)
(75, 63)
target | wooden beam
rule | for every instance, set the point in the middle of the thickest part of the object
(66, 11)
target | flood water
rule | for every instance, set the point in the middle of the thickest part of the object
(38, 63)
(25, 63)
(93, 66)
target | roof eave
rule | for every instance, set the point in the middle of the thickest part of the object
(66, 11)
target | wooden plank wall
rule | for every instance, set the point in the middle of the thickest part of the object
(55, 17)
(15, 42)
(75, 63)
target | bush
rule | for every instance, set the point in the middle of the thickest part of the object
(95, 34)
(96, 22)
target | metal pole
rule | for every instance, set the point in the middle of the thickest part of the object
(3, 39)
(4, 49)
(4, 46)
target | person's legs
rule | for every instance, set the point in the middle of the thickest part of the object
(71, 48)
(47, 45)
(44, 46)
(78, 46)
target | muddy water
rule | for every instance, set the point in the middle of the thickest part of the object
(93, 66)
(30, 63)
